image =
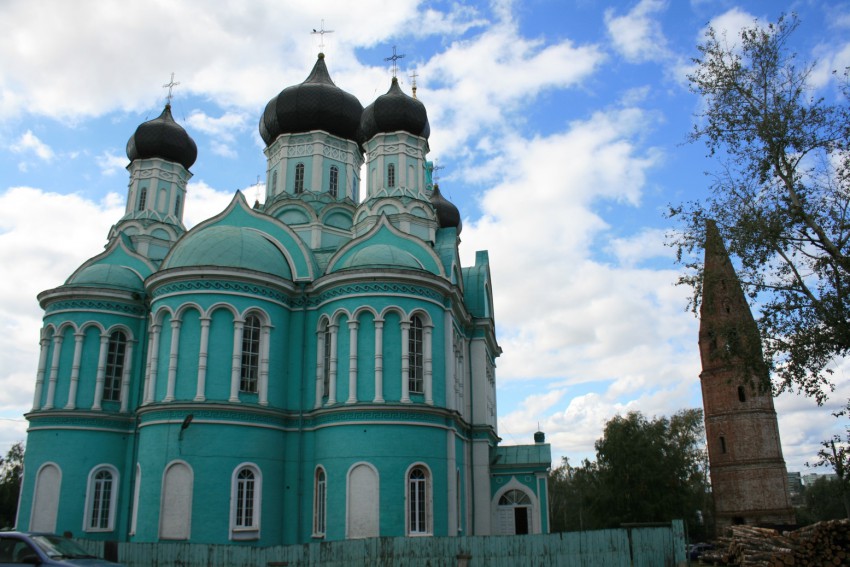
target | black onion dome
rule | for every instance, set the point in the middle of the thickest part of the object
(162, 138)
(315, 104)
(392, 112)
(447, 214)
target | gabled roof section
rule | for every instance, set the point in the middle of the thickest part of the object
(240, 237)
(478, 290)
(117, 267)
(384, 246)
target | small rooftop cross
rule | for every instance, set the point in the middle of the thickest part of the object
(321, 33)
(394, 59)
(434, 171)
(413, 78)
(170, 85)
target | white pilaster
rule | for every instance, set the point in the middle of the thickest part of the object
(379, 361)
(236, 360)
(54, 372)
(101, 372)
(201, 388)
(405, 362)
(172, 361)
(75, 370)
(352, 362)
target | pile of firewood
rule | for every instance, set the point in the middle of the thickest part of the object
(818, 545)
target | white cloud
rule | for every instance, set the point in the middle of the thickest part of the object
(37, 256)
(29, 142)
(110, 163)
(636, 35)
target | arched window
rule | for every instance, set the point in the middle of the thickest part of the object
(418, 502)
(116, 350)
(143, 196)
(326, 369)
(101, 500)
(177, 203)
(742, 395)
(274, 182)
(299, 178)
(416, 356)
(246, 497)
(320, 497)
(250, 354)
(333, 184)
(391, 175)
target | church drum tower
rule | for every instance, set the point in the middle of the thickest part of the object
(748, 474)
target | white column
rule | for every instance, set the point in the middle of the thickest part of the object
(263, 386)
(125, 378)
(101, 372)
(405, 362)
(75, 370)
(352, 362)
(172, 361)
(379, 361)
(316, 176)
(320, 368)
(150, 381)
(236, 361)
(201, 388)
(54, 372)
(39, 377)
(332, 373)
(428, 365)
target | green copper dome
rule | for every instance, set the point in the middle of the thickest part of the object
(380, 255)
(229, 247)
(106, 275)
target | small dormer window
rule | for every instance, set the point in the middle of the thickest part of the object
(742, 395)
(333, 183)
(177, 203)
(143, 195)
(299, 178)
(391, 175)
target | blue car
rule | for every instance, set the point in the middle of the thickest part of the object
(20, 548)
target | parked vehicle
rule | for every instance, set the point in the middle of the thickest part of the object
(17, 548)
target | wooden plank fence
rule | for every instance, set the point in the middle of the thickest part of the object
(626, 547)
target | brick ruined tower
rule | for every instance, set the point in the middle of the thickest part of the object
(748, 474)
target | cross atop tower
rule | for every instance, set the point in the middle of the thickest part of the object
(434, 171)
(394, 59)
(170, 85)
(321, 33)
(413, 78)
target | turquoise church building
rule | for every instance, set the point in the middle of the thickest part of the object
(317, 367)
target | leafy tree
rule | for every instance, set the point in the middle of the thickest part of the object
(645, 471)
(780, 196)
(822, 501)
(11, 473)
(835, 453)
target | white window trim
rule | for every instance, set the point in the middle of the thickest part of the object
(429, 501)
(113, 498)
(242, 533)
(317, 503)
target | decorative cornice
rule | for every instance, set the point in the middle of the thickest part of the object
(94, 305)
(80, 419)
(227, 286)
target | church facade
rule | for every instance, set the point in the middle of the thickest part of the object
(313, 368)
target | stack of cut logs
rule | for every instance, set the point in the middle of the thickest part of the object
(818, 545)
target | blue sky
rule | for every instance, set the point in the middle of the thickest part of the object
(560, 126)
